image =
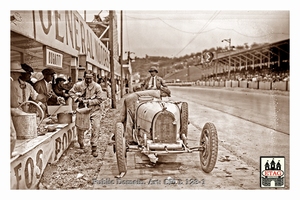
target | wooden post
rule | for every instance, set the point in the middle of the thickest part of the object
(112, 67)
(121, 56)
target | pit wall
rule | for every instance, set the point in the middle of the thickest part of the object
(33, 155)
(280, 85)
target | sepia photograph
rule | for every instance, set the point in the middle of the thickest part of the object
(150, 99)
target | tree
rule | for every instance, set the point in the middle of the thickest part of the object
(239, 47)
(212, 49)
(254, 45)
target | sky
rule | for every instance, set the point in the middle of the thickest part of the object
(175, 33)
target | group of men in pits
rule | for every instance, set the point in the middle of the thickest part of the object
(86, 92)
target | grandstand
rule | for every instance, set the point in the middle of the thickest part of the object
(267, 62)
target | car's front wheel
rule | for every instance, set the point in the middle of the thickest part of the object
(184, 118)
(209, 142)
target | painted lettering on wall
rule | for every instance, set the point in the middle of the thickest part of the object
(61, 144)
(67, 30)
(28, 169)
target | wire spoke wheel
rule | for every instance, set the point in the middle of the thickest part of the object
(184, 113)
(120, 148)
(209, 141)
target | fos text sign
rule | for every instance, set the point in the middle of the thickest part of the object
(53, 59)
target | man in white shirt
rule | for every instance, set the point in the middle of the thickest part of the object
(20, 89)
(154, 82)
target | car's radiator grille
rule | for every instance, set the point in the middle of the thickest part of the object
(164, 128)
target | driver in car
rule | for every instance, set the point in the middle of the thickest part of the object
(152, 86)
(155, 82)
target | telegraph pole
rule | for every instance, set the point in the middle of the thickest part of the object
(128, 56)
(112, 67)
(121, 56)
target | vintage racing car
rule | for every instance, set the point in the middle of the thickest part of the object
(155, 126)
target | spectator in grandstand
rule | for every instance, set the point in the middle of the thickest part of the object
(254, 79)
(286, 78)
(259, 78)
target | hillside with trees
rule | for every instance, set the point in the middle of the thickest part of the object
(178, 65)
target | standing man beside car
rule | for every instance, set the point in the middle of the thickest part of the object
(90, 93)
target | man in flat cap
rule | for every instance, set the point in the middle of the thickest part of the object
(44, 87)
(154, 82)
(59, 87)
(90, 93)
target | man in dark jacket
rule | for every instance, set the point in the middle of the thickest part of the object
(59, 87)
(44, 87)
(154, 82)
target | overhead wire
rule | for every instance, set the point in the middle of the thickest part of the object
(128, 43)
(250, 36)
(201, 31)
(155, 18)
(158, 18)
(216, 13)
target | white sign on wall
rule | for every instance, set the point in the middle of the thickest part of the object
(53, 59)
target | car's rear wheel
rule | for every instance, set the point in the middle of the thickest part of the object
(209, 141)
(120, 148)
(184, 115)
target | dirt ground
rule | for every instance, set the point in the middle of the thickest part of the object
(77, 167)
